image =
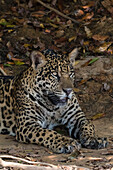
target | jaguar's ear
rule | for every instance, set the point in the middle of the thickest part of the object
(72, 56)
(38, 59)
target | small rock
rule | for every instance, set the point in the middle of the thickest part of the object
(106, 86)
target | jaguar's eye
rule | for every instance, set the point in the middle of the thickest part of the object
(55, 75)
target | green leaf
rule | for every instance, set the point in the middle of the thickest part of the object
(7, 65)
(19, 63)
(3, 22)
(93, 60)
(10, 26)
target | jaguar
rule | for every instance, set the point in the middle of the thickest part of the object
(41, 98)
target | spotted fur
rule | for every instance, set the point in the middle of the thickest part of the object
(42, 97)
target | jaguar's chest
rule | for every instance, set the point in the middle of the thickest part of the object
(47, 116)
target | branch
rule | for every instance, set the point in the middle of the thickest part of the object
(23, 166)
(24, 160)
(37, 166)
(56, 11)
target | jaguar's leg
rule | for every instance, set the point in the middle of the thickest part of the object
(31, 132)
(88, 138)
(80, 128)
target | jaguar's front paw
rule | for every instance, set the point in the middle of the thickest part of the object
(94, 143)
(67, 145)
(88, 139)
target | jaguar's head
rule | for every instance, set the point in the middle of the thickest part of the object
(54, 75)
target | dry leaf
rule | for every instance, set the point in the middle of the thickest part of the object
(98, 116)
(38, 14)
(72, 38)
(86, 43)
(110, 50)
(11, 63)
(83, 81)
(103, 47)
(60, 40)
(59, 33)
(100, 37)
(16, 59)
(88, 16)
(89, 5)
(42, 25)
(78, 12)
(47, 31)
(54, 25)
(27, 45)
(108, 4)
(21, 21)
(88, 32)
(10, 30)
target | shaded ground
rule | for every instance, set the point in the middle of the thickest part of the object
(37, 28)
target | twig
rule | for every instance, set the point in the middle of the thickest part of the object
(34, 167)
(23, 166)
(3, 72)
(56, 11)
(25, 160)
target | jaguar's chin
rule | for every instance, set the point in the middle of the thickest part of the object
(58, 101)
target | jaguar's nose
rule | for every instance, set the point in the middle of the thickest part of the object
(67, 90)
